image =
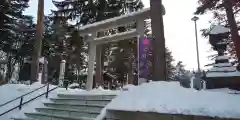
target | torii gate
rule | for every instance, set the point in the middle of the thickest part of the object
(92, 29)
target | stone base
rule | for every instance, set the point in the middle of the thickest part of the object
(223, 82)
(127, 115)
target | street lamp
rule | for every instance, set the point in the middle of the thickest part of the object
(195, 18)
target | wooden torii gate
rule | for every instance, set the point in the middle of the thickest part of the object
(91, 32)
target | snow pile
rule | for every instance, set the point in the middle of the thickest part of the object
(169, 97)
(225, 90)
(30, 107)
(223, 73)
(74, 85)
(223, 69)
(218, 29)
(97, 91)
(222, 65)
(128, 87)
(222, 57)
(12, 91)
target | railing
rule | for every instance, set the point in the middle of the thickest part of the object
(21, 99)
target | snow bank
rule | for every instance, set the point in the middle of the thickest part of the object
(222, 57)
(225, 90)
(11, 91)
(169, 97)
(223, 74)
(98, 91)
(218, 29)
(128, 87)
(222, 65)
(30, 107)
(73, 85)
(223, 69)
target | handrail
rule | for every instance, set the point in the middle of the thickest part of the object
(21, 99)
(23, 95)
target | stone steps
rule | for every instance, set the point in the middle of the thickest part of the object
(79, 101)
(45, 116)
(24, 119)
(70, 107)
(69, 112)
(87, 97)
(76, 106)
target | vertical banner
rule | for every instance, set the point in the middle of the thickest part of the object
(143, 53)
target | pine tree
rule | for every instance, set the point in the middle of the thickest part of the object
(13, 22)
(170, 68)
(222, 10)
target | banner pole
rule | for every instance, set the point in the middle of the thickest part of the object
(138, 61)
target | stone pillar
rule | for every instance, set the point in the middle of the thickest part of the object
(141, 27)
(91, 60)
(62, 72)
(99, 67)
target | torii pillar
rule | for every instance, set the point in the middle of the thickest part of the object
(91, 60)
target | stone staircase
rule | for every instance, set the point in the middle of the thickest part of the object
(70, 107)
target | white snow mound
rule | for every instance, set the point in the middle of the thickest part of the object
(218, 29)
(169, 97)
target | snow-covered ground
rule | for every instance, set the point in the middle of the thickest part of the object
(169, 97)
(98, 91)
(30, 107)
(160, 97)
(11, 91)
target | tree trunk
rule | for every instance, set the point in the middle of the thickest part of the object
(159, 62)
(233, 27)
(9, 68)
(38, 42)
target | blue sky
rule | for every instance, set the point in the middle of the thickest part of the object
(179, 30)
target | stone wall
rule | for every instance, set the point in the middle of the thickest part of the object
(126, 115)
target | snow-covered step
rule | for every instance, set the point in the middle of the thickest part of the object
(87, 97)
(71, 107)
(80, 101)
(24, 119)
(68, 112)
(46, 116)
(89, 107)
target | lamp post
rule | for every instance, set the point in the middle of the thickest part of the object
(195, 18)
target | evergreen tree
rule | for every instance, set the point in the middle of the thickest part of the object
(170, 68)
(223, 11)
(13, 22)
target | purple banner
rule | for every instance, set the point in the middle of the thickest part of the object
(143, 52)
